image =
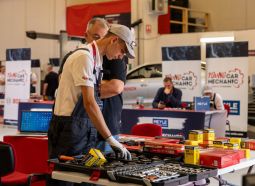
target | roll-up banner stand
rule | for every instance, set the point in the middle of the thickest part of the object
(183, 65)
(227, 73)
(17, 88)
(17, 82)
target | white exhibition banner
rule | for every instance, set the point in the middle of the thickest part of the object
(17, 87)
(227, 73)
(183, 65)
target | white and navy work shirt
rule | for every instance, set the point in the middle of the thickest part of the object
(77, 72)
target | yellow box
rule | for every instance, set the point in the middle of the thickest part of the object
(196, 135)
(219, 144)
(94, 158)
(191, 155)
(209, 135)
(233, 146)
(101, 159)
(193, 143)
(236, 140)
(206, 144)
(247, 153)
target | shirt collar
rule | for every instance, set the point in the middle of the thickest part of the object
(99, 58)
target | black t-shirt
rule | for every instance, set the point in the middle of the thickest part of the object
(52, 80)
(113, 69)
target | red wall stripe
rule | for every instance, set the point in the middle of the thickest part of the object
(79, 15)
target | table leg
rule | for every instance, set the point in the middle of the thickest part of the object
(250, 169)
(222, 181)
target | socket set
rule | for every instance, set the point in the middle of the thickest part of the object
(194, 172)
(145, 169)
(147, 174)
(78, 163)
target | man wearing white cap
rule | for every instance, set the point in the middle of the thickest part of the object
(77, 115)
(216, 101)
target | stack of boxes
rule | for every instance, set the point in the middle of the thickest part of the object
(192, 152)
(224, 151)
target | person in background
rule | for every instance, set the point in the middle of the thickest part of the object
(50, 83)
(216, 102)
(2, 81)
(167, 96)
(33, 82)
(111, 91)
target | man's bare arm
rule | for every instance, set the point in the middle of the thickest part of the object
(111, 88)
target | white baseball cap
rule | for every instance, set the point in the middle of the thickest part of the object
(208, 89)
(127, 36)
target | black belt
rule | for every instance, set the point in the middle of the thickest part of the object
(55, 117)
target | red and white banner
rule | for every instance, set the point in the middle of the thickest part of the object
(17, 87)
(227, 73)
(183, 65)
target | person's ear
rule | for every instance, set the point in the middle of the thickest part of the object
(114, 39)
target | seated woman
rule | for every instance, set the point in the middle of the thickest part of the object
(167, 96)
(216, 102)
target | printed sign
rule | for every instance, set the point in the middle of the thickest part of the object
(234, 107)
(161, 122)
(176, 123)
(231, 78)
(186, 80)
(227, 73)
(183, 65)
(202, 103)
(17, 88)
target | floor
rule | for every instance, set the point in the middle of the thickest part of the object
(234, 178)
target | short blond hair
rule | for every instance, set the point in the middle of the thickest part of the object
(102, 22)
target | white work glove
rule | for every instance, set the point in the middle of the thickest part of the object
(119, 148)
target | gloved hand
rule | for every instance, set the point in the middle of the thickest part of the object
(119, 148)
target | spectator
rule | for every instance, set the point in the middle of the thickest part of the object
(167, 96)
(2, 82)
(50, 84)
(216, 102)
(33, 82)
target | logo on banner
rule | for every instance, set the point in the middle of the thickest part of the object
(232, 78)
(234, 107)
(202, 103)
(17, 78)
(161, 122)
(187, 80)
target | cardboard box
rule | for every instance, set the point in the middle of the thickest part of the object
(219, 158)
(94, 158)
(191, 155)
(196, 135)
(209, 135)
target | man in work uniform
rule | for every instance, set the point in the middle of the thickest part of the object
(77, 116)
(111, 87)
